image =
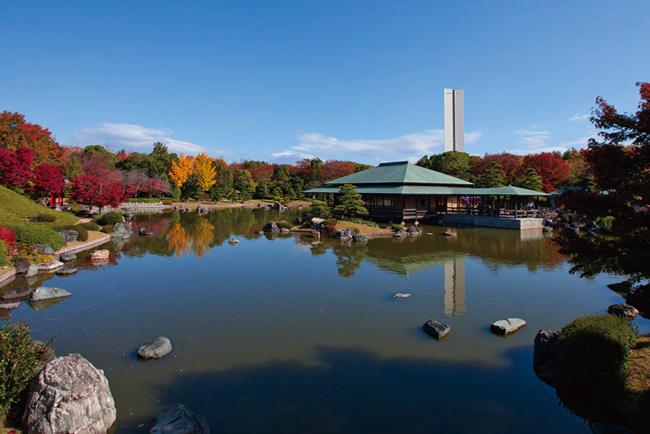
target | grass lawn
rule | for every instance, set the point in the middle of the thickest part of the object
(17, 211)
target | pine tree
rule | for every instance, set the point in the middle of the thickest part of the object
(492, 176)
(349, 203)
(530, 180)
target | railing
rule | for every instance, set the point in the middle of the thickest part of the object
(495, 212)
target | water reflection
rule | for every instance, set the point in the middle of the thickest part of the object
(455, 286)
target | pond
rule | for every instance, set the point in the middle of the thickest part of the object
(280, 334)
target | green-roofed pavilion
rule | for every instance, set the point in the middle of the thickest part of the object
(401, 191)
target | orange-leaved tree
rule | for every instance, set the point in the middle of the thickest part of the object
(181, 170)
(204, 171)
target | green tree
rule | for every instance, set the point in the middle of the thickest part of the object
(492, 176)
(530, 180)
(244, 184)
(349, 203)
(452, 163)
(320, 209)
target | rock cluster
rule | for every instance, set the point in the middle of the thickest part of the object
(69, 395)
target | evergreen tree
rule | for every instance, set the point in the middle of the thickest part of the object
(349, 203)
(492, 176)
(320, 209)
(530, 180)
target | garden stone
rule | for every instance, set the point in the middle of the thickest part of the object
(44, 249)
(436, 329)
(121, 230)
(285, 231)
(66, 271)
(317, 221)
(179, 420)
(46, 293)
(69, 395)
(400, 234)
(402, 295)
(507, 326)
(21, 266)
(358, 238)
(100, 254)
(346, 234)
(69, 235)
(543, 349)
(51, 265)
(13, 305)
(414, 231)
(271, 226)
(623, 310)
(450, 233)
(16, 294)
(32, 270)
(67, 257)
(233, 242)
(159, 347)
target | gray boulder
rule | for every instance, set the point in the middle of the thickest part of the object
(66, 271)
(69, 395)
(67, 257)
(358, 238)
(15, 294)
(32, 270)
(121, 230)
(346, 234)
(435, 329)
(233, 241)
(414, 231)
(69, 235)
(44, 249)
(623, 310)
(13, 305)
(507, 326)
(179, 420)
(47, 293)
(49, 266)
(21, 266)
(159, 347)
(400, 234)
(400, 295)
(271, 226)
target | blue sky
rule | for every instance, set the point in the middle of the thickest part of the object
(281, 80)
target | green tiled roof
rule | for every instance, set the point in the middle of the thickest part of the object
(400, 172)
(434, 190)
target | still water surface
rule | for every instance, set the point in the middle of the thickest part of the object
(281, 336)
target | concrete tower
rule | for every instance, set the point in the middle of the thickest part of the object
(454, 120)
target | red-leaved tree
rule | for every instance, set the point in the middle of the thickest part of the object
(48, 179)
(551, 167)
(16, 132)
(101, 191)
(16, 166)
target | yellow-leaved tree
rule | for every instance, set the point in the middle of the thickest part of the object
(204, 171)
(181, 170)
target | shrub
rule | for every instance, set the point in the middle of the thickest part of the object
(167, 202)
(49, 218)
(110, 218)
(34, 233)
(107, 229)
(593, 351)
(20, 360)
(4, 253)
(283, 224)
(396, 227)
(319, 209)
(89, 226)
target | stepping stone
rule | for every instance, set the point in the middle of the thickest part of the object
(233, 242)
(507, 326)
(46, 293)
(402, 295)
(49, 266)
(623, 310)
(66, 271)
(67, 257)
(13, 305)
(436, 329)
(159, 347)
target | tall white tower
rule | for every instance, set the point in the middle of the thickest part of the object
(454, 120)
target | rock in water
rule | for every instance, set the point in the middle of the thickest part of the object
(32, 270)
(46, 293)
(16, 294)
(436, 329)
(51, 265)
(272, 227)
(159, 347)
(69, 395)
(66, 271)
(179, 420)
(100, 254)
(402, 295)
(414, 231)
(346, 234)
(67, 257)
(233, 241)
(543, 349)
(623, 310)
(121, 230)
(358, 238)
(507, 326)
(450, 233)
(13, 305)
(22, 265)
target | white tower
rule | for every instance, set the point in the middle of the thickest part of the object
(454, 120)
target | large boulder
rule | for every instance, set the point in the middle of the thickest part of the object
(69, 235)
(67, 257)
(44, 249)
(50, 265)
(436, 329)
(623, 310)
(69, 395)
(271, 226)
(121, 230)
(639, 297)
(21, 266)
(179, 420)
(159, 347)
(358, 238)
(346, 234)
(66, 271)
(507, 326)
(414, 231)
(32, 270)
(47, 293)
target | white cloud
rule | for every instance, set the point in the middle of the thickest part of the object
(409, 146)
(580, 117)
(534, 140)
(578, 143)
(136, 137)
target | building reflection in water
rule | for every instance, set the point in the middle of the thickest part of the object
(454, 282)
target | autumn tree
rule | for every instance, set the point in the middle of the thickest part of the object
(48, 179)
(551, 167)
(180, 170)
(510, 164)
(620, 161)
(349, 203)
(204, 171)
(16, 166)
(98, 190)
(16, 132)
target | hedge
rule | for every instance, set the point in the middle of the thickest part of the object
(38, 233)
(3, 254)
(110, 218)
